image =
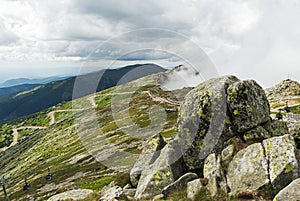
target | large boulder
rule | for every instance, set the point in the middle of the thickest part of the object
(290, 192)
(203, 122)
(248, 170)
(150, 153)
(166, 169)
(256, 134)
(281, 156)
(248, 104)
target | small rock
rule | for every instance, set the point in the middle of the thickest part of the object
(179, 184)
(149, 154)
(130, 191)
(276, 128)
(113, 194)
(193, 187)
(158, 197)
(290, 192)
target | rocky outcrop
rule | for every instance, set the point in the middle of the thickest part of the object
(78, 194)
(291, 192)
(150, 153)
(226, 135)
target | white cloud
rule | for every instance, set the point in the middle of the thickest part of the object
(242, 37)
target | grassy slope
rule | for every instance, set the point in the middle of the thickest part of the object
(62, 146)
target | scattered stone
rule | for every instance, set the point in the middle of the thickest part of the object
(113, 194)
(283, 164)
(227, 153)
(248, 104)
(290, 192)
(78, 194)
(180, 184)
(248, 170)
(149, 154)
(130, 191)
(193, 187)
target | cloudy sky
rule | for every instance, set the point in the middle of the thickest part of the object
(252, 39)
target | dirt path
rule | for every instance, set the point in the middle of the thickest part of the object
(16, 133)
(161, 100)
(92, 101)
(51, 115)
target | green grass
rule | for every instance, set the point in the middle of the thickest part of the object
(98, 184)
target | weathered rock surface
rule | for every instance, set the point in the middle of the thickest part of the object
(193, 187)
(272, 161)
(114, 193)
(78, 194)
(150, 153)
(248, 104)
(203, 123)
(213, 172)
(166, 169)
(179, 184)
(248, 170)
(281, 157)
(290, 192)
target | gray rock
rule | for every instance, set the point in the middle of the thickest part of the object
(180, 184)
(150, 153)
(158, 197)
(166, 169)
(248, 170)
(290, 192)
(248, 104)
(281, 157)
(130, 191)
(113, 194)
(213, 172)
(227, 153)
(78, 194)
(193, 187)
(203, 122)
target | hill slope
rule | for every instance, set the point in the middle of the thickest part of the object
(89, 142)
(42, 97)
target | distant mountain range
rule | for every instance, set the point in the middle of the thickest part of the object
(44, 96)
(17, 89)
(23, 81)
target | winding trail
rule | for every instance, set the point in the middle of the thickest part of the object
(92, 101)
(51, 115)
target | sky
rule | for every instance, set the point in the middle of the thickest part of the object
(251, 39)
